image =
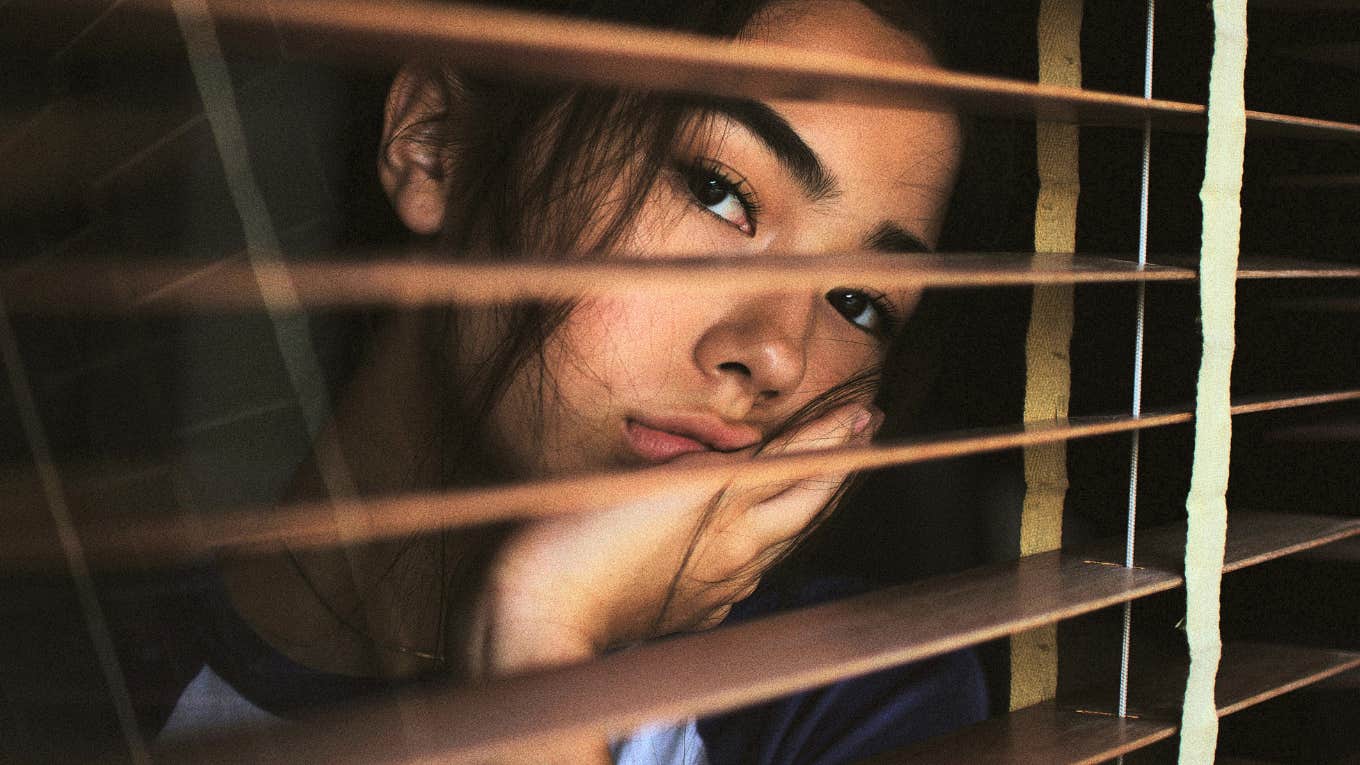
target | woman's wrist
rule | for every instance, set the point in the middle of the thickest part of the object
(518, 650)
(514, 634)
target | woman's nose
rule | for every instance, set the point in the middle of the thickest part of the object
(760, 346)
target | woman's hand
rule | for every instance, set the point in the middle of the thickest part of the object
(564, 588)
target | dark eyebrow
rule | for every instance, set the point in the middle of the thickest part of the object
(890, 237)
(783, 141)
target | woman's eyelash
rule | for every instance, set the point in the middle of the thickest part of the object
(870, 310)
(722, 192)
(892, 318)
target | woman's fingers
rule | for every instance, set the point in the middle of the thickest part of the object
(853, 423)
(778, 512)
(781, 517)
(835, 428)
(721, 543)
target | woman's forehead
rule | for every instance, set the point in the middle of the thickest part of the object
(894, 165)
(842, 27)
(846, 165)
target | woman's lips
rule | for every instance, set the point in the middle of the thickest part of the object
(662, 439)
(657, 445)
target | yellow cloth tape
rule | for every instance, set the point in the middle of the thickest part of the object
(1206, 534)
(1048, 370)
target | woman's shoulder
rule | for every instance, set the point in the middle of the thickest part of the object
(241, 679)
(263, 675)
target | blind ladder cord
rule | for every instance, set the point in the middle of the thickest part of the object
(1138, 333)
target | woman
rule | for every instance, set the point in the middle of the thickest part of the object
(475, 396)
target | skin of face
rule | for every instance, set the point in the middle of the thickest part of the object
(739, 365)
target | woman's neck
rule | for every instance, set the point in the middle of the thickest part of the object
(359, 607)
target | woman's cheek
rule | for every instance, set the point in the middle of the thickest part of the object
(630, 344)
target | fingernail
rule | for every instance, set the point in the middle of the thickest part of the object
(862, 420)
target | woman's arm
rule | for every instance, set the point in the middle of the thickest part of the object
(568, 587)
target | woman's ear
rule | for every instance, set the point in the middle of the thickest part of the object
(413, 159)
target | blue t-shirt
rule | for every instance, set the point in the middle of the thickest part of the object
(842, 722)
(851, 719)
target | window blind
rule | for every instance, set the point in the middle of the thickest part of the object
(64, 277)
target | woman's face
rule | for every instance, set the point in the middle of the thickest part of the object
(636, 379)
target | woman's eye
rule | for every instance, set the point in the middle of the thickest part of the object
(868, 312)
(722, 195)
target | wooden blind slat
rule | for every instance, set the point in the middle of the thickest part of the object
(1254, 405)
(1254, 673)
(1345, 551)
(125, 286)
(1050, 733)
(312, 524)
(1269, 125)
(1068, 732)
(1269, 267)
(1253, 539)
(63, 286)
(611, 54)
(750, 662)
(1348, 681)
